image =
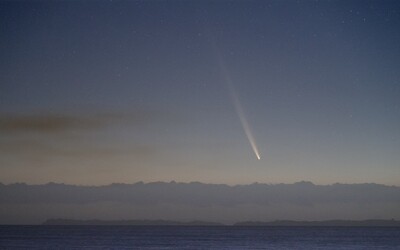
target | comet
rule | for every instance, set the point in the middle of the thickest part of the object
(238, 106)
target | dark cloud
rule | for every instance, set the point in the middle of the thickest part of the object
(47, 123)
(33, 148)
(56, 123)
(32, 136)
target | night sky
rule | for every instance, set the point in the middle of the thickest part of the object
(99, 92)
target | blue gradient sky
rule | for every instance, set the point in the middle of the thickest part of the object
(137, 93)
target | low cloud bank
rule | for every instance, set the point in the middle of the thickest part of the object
(22, 203)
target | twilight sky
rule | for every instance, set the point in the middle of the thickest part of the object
(98, 92)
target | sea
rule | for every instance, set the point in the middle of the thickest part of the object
(197, 237)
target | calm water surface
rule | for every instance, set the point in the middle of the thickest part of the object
(184, 237)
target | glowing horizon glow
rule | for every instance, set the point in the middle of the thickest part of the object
(238, 107)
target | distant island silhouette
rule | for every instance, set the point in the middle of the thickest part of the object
(276, 223)
(129, 222)
(324, 223)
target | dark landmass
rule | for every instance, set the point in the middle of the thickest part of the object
(327, 223)
(128, 223)
(277, 223)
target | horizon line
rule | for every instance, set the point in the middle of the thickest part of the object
(277, 222)
(197, 182)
